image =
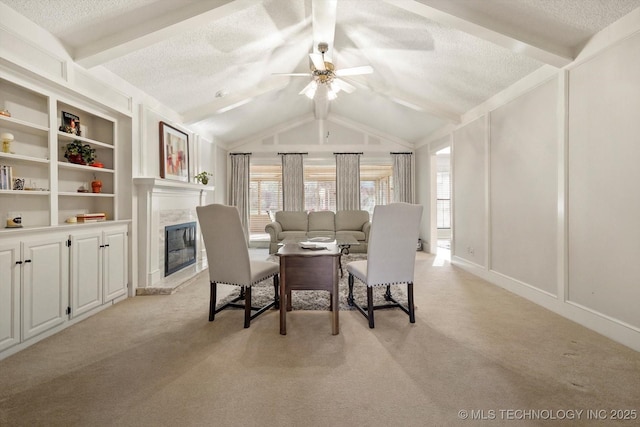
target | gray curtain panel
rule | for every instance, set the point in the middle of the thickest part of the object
(402, 177)
(292, 182)
(347, 181)
(239, 188)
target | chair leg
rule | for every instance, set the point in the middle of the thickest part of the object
(247, 307)
(276, 297)
(212, 301)
(350, 296)
(370, 306)
(412, 313)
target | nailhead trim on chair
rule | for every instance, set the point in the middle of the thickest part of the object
(251, 284)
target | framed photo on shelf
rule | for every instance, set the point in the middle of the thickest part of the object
(174, 153)
(70, 123)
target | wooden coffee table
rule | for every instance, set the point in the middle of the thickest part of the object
(308, 269)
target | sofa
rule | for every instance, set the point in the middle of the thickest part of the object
(303, 225)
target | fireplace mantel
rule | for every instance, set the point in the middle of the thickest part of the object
(163, 202)
(158, 183)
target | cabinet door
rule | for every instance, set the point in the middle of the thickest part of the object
(45, 284)
(115, 264)
(86, 272)
(9, 295)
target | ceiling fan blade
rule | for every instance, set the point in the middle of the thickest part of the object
(311, 86)
(354, 71)
(318, 61)
(349, 88)
(293, 74)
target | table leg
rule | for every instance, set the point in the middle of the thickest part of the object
(283, 300)
(335, 305)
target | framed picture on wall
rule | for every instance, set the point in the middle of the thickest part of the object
(174, 153)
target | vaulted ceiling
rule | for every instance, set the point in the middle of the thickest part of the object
(215, 62)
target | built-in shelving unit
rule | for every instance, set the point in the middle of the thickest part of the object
(54, 189)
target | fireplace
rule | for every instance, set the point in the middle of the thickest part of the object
(179, 246)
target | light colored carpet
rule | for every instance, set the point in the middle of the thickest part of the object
(157, 361)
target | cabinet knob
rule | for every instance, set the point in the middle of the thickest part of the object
(106, 246)
(18, 262)
(27, 260)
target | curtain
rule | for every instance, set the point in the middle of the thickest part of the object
(239, 188)
(347, 181)
(402, 177)
(292, 182)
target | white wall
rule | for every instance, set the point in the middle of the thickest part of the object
(545, 180)
(603, 178)
(469, 166)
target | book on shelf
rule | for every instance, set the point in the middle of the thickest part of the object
(91, 217)
(6, 177)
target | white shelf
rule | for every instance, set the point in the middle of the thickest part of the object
(35, 123)
(85, 168)
(23, 159)
(79, 194)
(13, 123)
(63, 136)
(25, 192)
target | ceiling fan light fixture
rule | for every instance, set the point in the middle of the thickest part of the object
(310, 92)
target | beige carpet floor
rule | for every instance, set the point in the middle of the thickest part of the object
(157, 361)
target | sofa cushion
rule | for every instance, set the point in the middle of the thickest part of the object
(322, 221)
(292, 221)
(299, 235)
(358, 235)
(351, 220)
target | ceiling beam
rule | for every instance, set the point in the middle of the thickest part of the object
(227, 103)
(323, 14)
(480, 26)
(146, 33)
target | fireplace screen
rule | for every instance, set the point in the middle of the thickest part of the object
(179, 247)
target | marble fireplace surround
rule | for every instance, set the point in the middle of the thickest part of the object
(162, 203)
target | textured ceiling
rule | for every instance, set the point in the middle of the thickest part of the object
(213, 60)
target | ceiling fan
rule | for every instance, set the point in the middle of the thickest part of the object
(324, 73)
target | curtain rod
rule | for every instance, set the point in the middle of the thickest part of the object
(400, 153)
(240, 154)
(347, 153)
(284, 154)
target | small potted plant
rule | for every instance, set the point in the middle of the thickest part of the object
(79, 153)
(73, 151)
(88, 154)
(203, 177)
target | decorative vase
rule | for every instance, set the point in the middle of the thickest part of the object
(96, 186)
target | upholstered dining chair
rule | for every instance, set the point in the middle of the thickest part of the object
(229, 262)
(390, 257)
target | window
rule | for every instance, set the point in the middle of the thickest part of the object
(265, 190)
(443, 192)
(265, 195)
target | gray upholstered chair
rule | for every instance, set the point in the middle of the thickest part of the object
(390, 257)
(229, 262)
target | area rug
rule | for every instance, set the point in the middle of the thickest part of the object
(319, 300)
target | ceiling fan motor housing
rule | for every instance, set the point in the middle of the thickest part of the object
(323, 47)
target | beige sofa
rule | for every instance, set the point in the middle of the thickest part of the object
(319, 224)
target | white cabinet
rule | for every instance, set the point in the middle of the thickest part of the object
(9, 295)
(45, 283)
(98, 268)
(115, 256)
(86, 272)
